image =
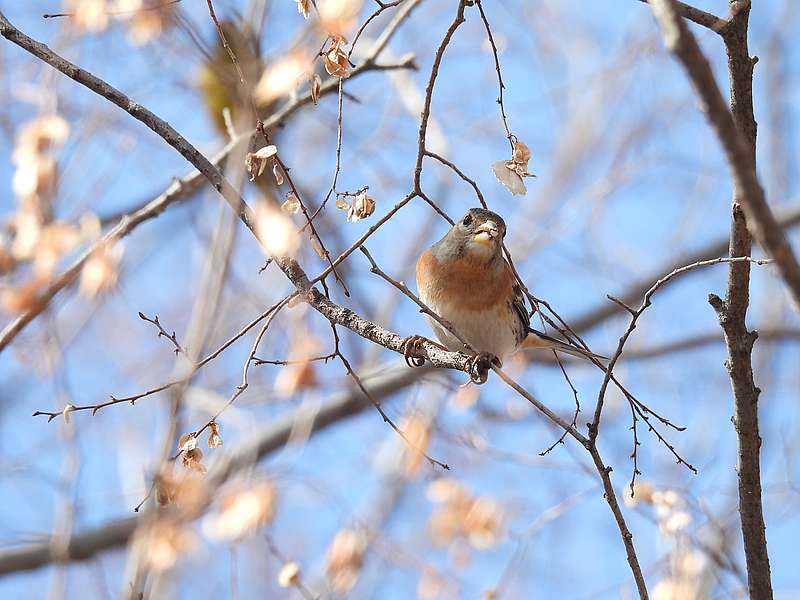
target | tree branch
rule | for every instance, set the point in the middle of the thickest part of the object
(633, 293)
(701, 17)
(183, 187)
(271, 437)
(736, 129)
(737, 138)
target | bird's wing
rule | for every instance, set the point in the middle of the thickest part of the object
(536, 339)
(520, 308)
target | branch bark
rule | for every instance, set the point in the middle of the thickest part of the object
(273, 436)
(736, 132)
(698, 16)
(179, 189)
(736, 129)
(634, 292)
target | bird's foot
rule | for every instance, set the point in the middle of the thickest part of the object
(413, 352)
(478, 366)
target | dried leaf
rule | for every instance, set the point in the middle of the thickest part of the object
(193, 460)
(67, 410)
(446, 490)
(336, 17)
(363, 206)
(335, 58)
(28, 228)
(294, 378)
(643, 491)
(417, 437)
(289, 574)
(147, 19)
(34, 177)
(266, 152)
(483, 523)
(89, 15)
(165, 493)
(345, 558)
(24, 297)
(521, 153)
(256, 162)
(315, 244)
(460, 515)
(342, 204)
(291, 205)
(54, 241)
(7, 261)
(165, 542)
(316, 87)
(90, 227)
(187, 442)
(276, 173)
(100, 272)
(281, 77)
(276, 232)
(185, 490)
(431, 585)
(214, 438)
(511, 172)
(508, 177)
(242, 511)
(303, 7)
(675, 523)
(40, 136)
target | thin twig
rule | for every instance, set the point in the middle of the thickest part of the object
(635, 315)
(461, 174)
(501, 85)
(172, 337)
(738, 149)
(194, 368)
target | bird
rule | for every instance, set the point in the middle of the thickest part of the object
(466, 281)
(218, 78)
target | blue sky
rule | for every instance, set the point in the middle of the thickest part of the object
(629, 178)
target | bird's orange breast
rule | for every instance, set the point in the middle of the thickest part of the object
(466, 281)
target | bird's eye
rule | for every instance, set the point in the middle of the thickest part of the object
(467, 220)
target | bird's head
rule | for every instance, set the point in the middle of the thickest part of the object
(479, 233)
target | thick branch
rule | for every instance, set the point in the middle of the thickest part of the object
(736, 129)
(634, 292)
(698, 16)
(375, 333)
(189, 183)
(737, 142)
(176, 191)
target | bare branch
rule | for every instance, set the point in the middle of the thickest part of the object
(185, 186)
(736, 129)
(701, 17)
(788, 219)
(739, 145)
(271, 437)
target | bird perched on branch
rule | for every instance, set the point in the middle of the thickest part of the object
(467, 282)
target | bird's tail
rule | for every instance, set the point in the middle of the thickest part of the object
(537, 339)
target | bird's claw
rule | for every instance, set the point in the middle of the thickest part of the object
(478, 367)
(412, 350)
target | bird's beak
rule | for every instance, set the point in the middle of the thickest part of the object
(487, 233)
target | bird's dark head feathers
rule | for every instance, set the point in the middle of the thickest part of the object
(478, 234)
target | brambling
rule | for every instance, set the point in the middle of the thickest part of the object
(466, 281)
